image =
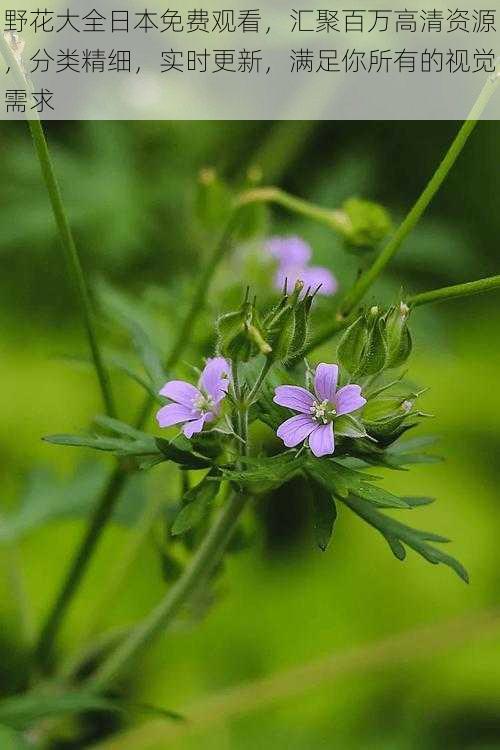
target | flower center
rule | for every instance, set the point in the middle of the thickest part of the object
(323, 412)
(203, 403)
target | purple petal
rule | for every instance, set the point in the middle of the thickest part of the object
(289, 273)
(196, 425)
(289, 250)
(325, 381)
(215, 378)
(317, 276)
(321, 441)
(181, 392)
(348, 399)
(175, 413)
(296, 429)
(294, 397)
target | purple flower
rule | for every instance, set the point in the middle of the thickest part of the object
(194, 406)
(317, 411)
(293, 256)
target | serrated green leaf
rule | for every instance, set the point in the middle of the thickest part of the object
(196, 503)
(324, 513)
(398, 534)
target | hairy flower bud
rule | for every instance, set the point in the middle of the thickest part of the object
(241, 334)
(386, 418)
(398, 338)
(363, 349)
(366, 223)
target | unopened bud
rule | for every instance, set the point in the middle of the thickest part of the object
(365, 224)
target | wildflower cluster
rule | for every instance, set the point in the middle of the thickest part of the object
(356, 407)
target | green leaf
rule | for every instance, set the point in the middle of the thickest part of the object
(380, 497)
(335, 477)
(324, 514)
(398, 535)
(263, 474)
(19, 711)
(180, 451)
(196, 503)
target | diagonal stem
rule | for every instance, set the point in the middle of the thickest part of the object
(365, 281)
(202, 564)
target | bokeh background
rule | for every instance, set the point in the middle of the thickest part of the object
(130, 190)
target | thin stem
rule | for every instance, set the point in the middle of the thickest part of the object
(102, 513)
(110, 494)
(72, 257)
(365, 281)
(458, 290)
(203, 563)
(258, 383)
(332, 218)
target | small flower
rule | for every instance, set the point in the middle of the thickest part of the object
(194, 406)
(293, 256)
(317, 411)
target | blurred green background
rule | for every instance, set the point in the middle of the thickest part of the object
(129, 189)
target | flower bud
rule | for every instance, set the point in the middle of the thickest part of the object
(241, 334)
(286, 325)
(366, 223)
(398, 338)
(386, 418)
(363, 349)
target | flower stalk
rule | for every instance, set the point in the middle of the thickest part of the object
(457, 290)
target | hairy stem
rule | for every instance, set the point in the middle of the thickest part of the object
(365, 281)
(458, 290)
(203, 563)
(107, 501)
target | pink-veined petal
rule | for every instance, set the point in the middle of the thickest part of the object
(175, 413)
(196, 425)
(325, 381)
(295, 430)
(215, 378)
(321, 441)
(348, 399)
(294, 397)
(181, 392)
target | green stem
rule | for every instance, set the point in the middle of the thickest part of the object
(109, 497)
(98, 520)
(66, 236)
(73, 261)
(458, 290)
(203, 563)
(332, 218)
(365, 281)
